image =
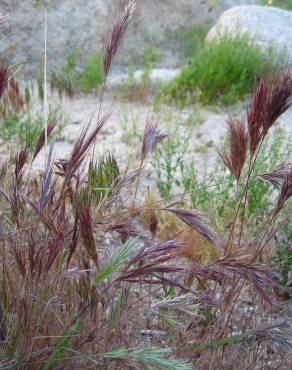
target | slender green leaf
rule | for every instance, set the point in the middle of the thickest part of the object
(62, 344)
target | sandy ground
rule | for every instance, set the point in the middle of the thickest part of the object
(206, 128)
(205, 134)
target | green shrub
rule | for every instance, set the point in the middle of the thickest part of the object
(25, 128)
(92, 75)
(168, 161)
(223, 70)
(285, 4)
(173, 171)
(69, 79)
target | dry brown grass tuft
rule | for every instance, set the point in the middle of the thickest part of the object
(196, 247)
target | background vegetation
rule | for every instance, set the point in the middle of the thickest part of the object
(223, 70)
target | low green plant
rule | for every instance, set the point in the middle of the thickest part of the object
(128, 84)
(25, 128)
(116, 261)
(71, 78)
(92, 75)
(285, 4)
(196, 116)
(188, 178)
(151, 55)
(130, 127)
(223, 70)
(168, 160)
(153, 356)
(104, 177)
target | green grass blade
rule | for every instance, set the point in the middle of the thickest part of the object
(62, 344)
(220, 342)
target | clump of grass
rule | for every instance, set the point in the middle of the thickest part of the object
(71, 78)
(104, 177)
(84, 285)
(92, 75)
(222, 70)
(169, 159)
(25, 128)
(130, 126)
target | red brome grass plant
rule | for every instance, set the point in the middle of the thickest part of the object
(84, 285)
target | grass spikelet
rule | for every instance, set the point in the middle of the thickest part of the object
(4, 78)
(20, 162)
(86, 228)
(277, 175)
(197, 221)
(151, 357)
(270, 100)
(115, 35)
(48, 182)
(82, 146)
(235, 158)
(41, 140)
(286, 191)
(14, 95)
(152, 136)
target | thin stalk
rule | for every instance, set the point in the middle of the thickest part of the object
(244, 194)
(250, 169)
(244, 205)
(233, 303)
(269, 234)
(45, 90)
(136, 191)
(179, 195)
(99, 109)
